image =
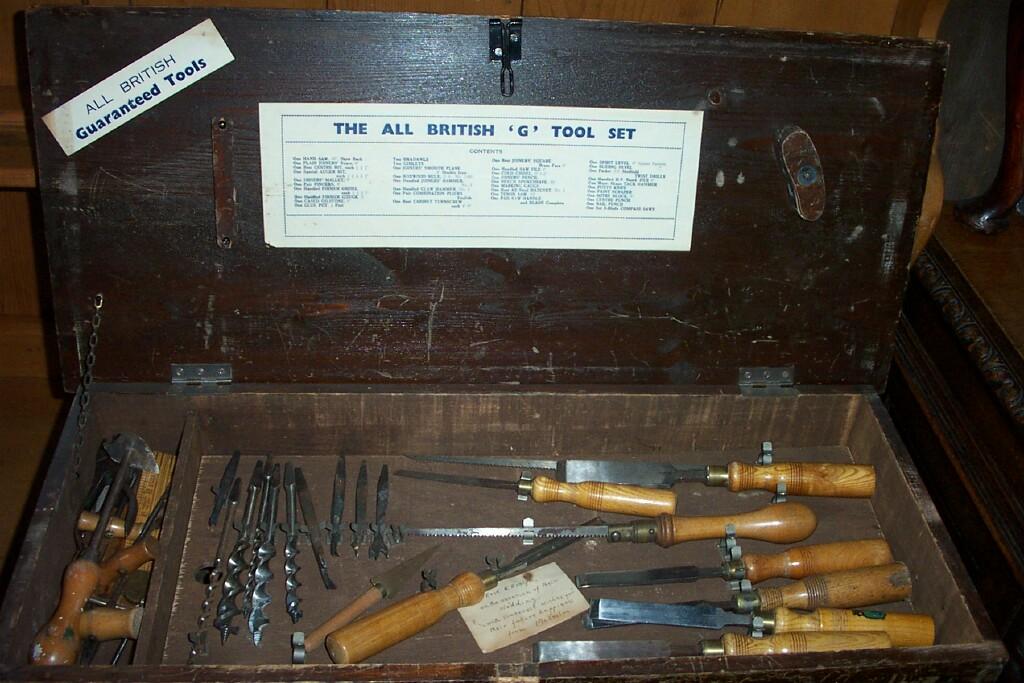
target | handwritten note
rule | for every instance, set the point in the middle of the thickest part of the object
(523, 606)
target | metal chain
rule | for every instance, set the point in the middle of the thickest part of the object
(84, 398)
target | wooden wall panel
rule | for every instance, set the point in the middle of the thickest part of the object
(848, 16)
(19, 291)
(661, 11)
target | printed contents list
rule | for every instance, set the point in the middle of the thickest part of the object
(445, 175)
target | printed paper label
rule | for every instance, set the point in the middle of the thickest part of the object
(138, 87)
(406, 175)
(523, 606)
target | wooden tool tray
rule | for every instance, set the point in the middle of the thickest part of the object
(380, 353)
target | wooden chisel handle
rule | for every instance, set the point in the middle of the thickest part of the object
(638, 501)
(803, 478)
(851, 588)
(735, 644)
(779, 523)
(796, 563)
(395, 623)
(314, 639)
(108, 623)
(904, 630)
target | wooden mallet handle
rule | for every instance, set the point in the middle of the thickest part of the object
(638, 501)
(735, 644)
(395, 623)
(796, 563)
(805, 478)
(850, 588)
(107, 623)
(904, 630)
(779, 523)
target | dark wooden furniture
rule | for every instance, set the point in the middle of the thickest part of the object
(633, 354)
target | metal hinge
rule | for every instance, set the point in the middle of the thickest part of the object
(767, 381)
(201, 374)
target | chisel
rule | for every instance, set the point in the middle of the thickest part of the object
(850, 588)
(795, 563)
(589, 495)
(904, 630)
(778, 523)
(840, 480)
(368, 636)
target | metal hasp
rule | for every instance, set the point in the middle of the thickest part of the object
(805, 180)
(506, 46)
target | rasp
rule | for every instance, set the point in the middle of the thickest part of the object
(382, 629)
(312, 527)
(904, 630)
(337, 505)
(220, 493)
(383, 536)
(589, 495)
(291, 548)
(794, 563)
(800, 478)
(778, 523)
(360, 529)
(227, 608)
(383, 587)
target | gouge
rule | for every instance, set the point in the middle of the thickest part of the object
(366, 637)
(778, 523)
(904, 630)
(590, 495)
(842, 480)
(734, 644)
(795, 563)
(383, 587)
(850, 588)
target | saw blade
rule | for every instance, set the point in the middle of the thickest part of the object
(511, 532)
(647, 577)
(521, 463)
(482, 482)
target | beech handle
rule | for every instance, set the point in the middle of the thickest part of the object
(805, 478)
(126, 561)
(395, 623)
(796, 563)
(107, 623)
(779, 523)
(904, 630)
(315, 638)
(735, 644)
(87, 521)
(59, 640)
(637, 501)
(851, 588)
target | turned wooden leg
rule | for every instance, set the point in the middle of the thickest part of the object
(990, 212)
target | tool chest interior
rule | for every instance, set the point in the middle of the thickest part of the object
(382, 353)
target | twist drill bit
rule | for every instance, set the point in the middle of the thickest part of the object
(291, 549)
(264, 553)
(212, 574)
(227, 608)
(258, 537)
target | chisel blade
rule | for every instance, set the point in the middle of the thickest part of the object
(597, 650)
(312, 527)
(605, 612)
(647, 577)
(337, 505)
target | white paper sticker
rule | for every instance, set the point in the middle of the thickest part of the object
(411, 175)
(140, 86)
(523, 606)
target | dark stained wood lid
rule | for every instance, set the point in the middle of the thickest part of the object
(132, 215)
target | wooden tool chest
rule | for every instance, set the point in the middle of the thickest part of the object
(776, 325)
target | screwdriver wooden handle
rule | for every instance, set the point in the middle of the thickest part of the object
(638, 501)
(60, 639)
(796, 563)
(395, 623)
(779, 523)
(904, 630)
(315, 638)
(805, 478)
(850, 588)
(107, 623)
(735, 644)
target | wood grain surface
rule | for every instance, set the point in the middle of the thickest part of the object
(796, 563)
(904, 630)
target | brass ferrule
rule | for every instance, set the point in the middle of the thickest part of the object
(733, 570)
(717, 475)
(767, 621)
(489, 578)
(747, 601)
(524, 488)
(712, 647)
(640, 531)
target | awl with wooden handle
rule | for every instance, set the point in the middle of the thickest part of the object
(778, 523)
(589, 495)
(905, 630)
(842, 480)
(794, 563)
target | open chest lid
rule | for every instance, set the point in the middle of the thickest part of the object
(812, 161)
